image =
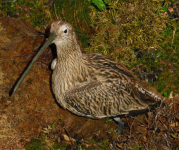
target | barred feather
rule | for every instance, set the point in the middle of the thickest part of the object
(92, 85)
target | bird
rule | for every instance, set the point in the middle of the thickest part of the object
(90, 84)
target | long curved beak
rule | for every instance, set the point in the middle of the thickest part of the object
(46, 44)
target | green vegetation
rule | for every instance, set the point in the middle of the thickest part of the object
(42, 144)
(107, 120)
(40, 14)
(100, 4)
(35, 144)
(77, 13)
(104, 145)
(137, 146)
(36, 13)
(116, 32)
(169, 80)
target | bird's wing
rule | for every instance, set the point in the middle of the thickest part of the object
(112, 91)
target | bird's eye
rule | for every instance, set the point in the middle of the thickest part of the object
(65, 31)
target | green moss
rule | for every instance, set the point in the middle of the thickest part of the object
(104, 145)
(41, 144)
(42, 13)
(107, 120)
(124, 26)
(137, 146)
(36, 13)
(77, 13)
(35, 144)
(166, 57)
(169, 79)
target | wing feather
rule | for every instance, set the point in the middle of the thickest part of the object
(113, 90)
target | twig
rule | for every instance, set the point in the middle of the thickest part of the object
(69, 136)
(173, 35)
(56, 12)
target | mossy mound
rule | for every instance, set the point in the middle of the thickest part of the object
(125, 25)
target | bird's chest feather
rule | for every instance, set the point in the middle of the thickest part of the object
(62, 79)
(66, 75)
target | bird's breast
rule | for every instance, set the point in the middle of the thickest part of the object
(61, 81)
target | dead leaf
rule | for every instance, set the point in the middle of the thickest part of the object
(67, 138)
(171, 94)
(175, 135)
(174, 124)
(170, 9)
(47, 130)
(120, 146)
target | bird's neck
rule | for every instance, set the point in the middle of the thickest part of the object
(65, 50)
(69, 70)
(69, 55)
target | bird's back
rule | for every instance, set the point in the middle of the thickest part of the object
(111, 90)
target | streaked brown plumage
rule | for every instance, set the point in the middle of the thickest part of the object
(93, 86)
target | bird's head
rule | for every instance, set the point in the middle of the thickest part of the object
(64, 37)
(64, 32)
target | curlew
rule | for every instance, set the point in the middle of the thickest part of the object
(92, 85)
